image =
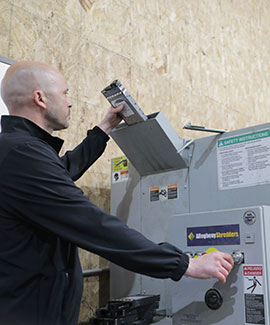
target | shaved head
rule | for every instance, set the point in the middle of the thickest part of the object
(22, 79)
(36, 91)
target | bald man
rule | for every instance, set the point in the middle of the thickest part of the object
(44, 216)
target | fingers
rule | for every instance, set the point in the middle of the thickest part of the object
(118, 109)
(212, 265)
(111, 119)
(226, 264)
(222, 274)
(221, 277)
(228, 258)
(226, 261)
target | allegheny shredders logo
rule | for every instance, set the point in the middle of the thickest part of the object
(213, 235)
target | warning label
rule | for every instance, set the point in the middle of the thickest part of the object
(154, 194)
(254, 294)
(162, 193)
(254, 308)
(244, 160)
(119, 169)
(252, 270)
(172, 191)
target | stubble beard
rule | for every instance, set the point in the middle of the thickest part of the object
(54, 123)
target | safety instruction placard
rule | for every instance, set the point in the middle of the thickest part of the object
(244, 160)
(253, 294)
(119, 169)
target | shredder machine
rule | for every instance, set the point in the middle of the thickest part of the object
(210, 193)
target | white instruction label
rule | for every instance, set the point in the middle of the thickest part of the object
(244, 160)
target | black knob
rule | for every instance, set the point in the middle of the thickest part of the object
(213, 298)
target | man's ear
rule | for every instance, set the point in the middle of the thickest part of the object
(40, 98)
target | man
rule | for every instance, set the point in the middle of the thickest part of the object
(44, 216)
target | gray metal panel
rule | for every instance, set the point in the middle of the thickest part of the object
(151, 146)
(125, 203)
(155, 218)
(155, 214)
(204, 192)
(188, 294)
(6, 60)
(266, 255)
(152, 220)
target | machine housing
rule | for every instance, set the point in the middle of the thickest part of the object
(209, 193)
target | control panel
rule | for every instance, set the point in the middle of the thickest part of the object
(244, 298)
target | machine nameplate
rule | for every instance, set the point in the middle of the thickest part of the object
(213, 235)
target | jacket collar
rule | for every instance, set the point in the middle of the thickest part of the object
(17, 124)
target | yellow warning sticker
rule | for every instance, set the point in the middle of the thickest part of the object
(120, 164)
(211, 249)
(119, 169)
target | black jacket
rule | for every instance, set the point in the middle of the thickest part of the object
(44, 216)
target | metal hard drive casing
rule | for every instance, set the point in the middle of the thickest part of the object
(117, 95)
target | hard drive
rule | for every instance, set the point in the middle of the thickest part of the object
(117, 95)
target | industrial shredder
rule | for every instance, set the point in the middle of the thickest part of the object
(200, 195)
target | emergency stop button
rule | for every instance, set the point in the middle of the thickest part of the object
(213, 298)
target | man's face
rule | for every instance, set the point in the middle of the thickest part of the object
(57, 114)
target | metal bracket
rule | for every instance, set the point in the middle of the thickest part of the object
(189, 126)
(185, 146)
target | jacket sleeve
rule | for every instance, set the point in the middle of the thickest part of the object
(86, 153)
(47, 198)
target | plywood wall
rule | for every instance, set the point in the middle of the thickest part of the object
(202, 61)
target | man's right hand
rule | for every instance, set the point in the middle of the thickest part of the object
(212, 265)
(111, 119)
